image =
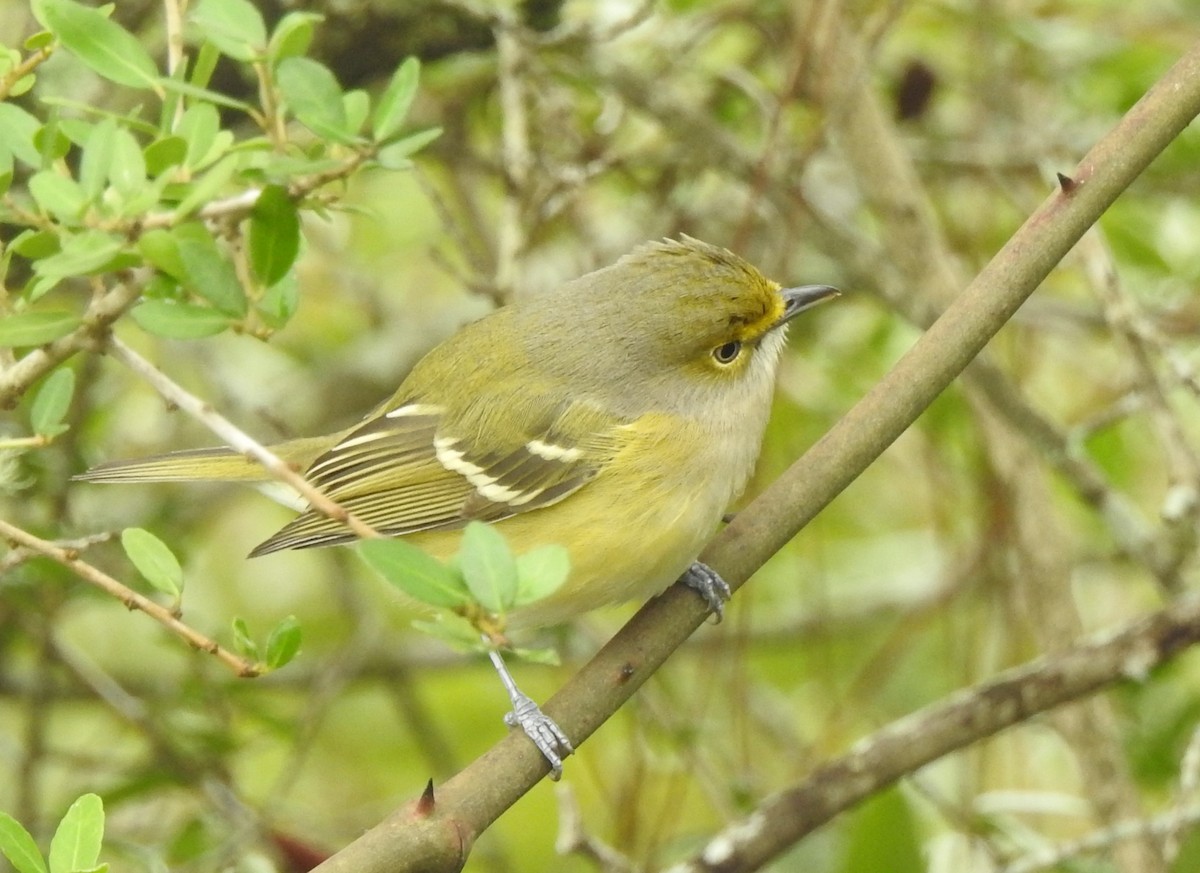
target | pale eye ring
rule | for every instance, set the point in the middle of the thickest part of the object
(728, 352)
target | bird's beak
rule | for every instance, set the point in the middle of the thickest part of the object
(796, 300)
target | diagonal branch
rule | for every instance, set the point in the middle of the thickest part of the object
(437, 834)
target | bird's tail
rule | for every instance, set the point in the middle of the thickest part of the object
(218, 464)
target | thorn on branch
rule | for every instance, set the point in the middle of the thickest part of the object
(1066, 183)
(426, 802)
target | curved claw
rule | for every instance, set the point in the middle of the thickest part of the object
(707, 582)
(542, 730)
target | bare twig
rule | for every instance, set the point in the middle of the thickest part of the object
(238, 439)
(128, 596)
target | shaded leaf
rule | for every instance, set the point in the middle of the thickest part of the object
(207, 272)
(274, 237)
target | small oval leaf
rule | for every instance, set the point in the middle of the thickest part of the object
(98, 41)
(488, 567)
(153, 559)
(541, 572)
(397, 98)
(36, 328)
(76, 843)
(284, 642)
(51, 403)
(18, 846)
(415, 572)
(173, 320)
(274, 235)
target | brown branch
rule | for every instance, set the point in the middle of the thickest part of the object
(438, 835)
(85, 571)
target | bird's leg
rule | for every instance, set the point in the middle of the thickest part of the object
(539, 727)
(707, 582)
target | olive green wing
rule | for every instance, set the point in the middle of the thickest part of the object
(413, 467)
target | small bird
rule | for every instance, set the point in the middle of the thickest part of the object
(618, 416)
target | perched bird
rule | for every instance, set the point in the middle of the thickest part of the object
(618, 416)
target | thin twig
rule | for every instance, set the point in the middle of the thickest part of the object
(238, 439)
(129, 597)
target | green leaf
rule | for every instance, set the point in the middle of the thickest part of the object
(97, 158)
(488, 567)
(153, 559)
(40, 40)
(396, 99)
(18, 846)
(51, 403)
(98, 41)
(541, 572)
(274, 237)
(284, 642)
(17, 131)
(57, 195)
(280, 302)
(209, 98)
(357, 105)
(162, 154)
(36, 328)
(128, 171)
(33, 244)
(314, 96)
(210, 184)
(545, 657)
(242, 641)
(76, 843)
(207, 272)
(292, 37)
(161, 250)
(453, 630)
(6, 170)
(82, 254)
(395, 156)
(178, 320)
(235, 27)
(415, 572)
(198, 128)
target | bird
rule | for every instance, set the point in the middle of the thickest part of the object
(619, 416)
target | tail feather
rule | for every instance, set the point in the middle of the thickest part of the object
(217, 464)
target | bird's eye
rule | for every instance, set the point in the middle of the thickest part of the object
(727, 353)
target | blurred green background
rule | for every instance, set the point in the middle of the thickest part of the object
(970, 546)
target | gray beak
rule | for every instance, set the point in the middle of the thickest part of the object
(796, 300)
